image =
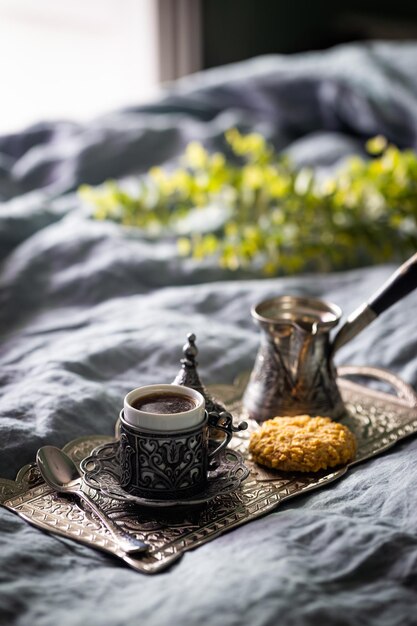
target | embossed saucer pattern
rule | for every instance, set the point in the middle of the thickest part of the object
(102, 470)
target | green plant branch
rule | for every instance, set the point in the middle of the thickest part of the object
(276, 217)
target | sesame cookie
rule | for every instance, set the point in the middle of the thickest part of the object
(302, 444)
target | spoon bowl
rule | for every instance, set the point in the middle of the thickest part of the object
(58, 469)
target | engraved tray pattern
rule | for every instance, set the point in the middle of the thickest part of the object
(378, 419)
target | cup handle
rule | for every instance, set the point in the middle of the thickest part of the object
(223, 421)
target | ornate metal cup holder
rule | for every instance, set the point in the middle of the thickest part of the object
(102, 471)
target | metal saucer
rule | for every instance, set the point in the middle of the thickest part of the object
(102, 470)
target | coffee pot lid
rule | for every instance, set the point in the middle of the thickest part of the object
(188, 375)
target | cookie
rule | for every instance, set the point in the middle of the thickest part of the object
(302, 444)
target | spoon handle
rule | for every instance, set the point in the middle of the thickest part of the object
(128, 544)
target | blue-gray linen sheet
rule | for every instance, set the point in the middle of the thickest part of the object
(89, 310)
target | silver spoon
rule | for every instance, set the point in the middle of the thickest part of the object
(61, 473)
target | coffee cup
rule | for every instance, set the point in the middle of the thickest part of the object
(164, 408)
(165, 444)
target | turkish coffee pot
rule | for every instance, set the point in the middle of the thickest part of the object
(294, 371)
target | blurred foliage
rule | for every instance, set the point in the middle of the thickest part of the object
(273, 215)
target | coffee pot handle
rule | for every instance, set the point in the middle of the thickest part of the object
(402, 282)
(223, 421)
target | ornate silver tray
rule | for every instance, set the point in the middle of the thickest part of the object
(379, 420)
(102, 472)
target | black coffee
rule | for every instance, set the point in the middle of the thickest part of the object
(164, 403)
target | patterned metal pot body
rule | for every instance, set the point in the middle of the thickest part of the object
(294, 372)
(164, 465)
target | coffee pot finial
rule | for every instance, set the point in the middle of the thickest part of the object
(190, 351)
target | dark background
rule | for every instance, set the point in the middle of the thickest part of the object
(234, 30)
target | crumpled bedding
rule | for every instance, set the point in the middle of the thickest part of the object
(89, 310)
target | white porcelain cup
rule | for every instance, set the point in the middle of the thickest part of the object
(164, 422)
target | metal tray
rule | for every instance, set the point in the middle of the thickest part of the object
(379, 420)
